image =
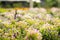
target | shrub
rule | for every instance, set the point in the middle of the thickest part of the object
(49, 32)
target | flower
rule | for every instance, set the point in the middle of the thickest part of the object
(31, 32)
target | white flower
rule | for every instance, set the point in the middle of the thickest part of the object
(48, 17)
(27, 16)
(43, 10)
(39, 16)
(54, 10)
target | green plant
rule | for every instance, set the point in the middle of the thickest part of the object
(2, 10)
(49, 33)
(50, 3)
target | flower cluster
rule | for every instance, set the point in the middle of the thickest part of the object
(32, 24)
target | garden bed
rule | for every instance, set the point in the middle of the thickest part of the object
(30, 24)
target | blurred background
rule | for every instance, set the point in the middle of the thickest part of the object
(29, 3)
